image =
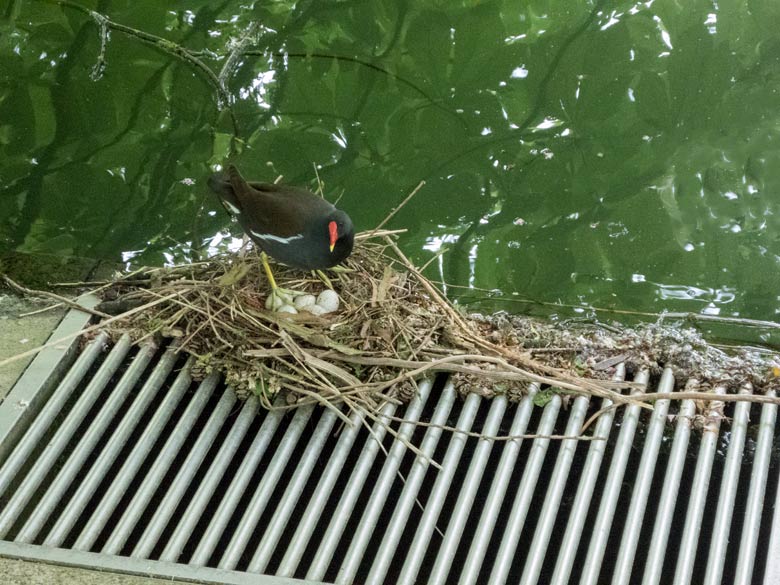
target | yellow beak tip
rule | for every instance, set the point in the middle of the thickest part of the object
(332, 246)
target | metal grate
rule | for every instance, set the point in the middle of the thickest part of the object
(122, 462)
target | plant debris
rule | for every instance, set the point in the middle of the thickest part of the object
(595, 350)
(392, 328)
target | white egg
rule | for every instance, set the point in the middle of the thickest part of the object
(273, 302)
(315, 310)
(328, 300)
(287, 309)
(304, 301)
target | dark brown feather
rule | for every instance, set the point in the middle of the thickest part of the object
(289, 223)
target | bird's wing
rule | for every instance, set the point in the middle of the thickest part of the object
(279, 211)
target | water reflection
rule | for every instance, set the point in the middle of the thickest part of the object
(259, 89)
(563, 150)
(710, 296)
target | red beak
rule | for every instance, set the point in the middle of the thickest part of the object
(334, 234)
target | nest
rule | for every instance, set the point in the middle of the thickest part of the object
(394, 327)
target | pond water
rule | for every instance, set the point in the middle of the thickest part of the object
(621, 155)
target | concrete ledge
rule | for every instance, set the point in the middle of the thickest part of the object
(20, 334)
(20, 572)
(82, 567)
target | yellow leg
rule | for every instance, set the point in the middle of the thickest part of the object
(268, 273)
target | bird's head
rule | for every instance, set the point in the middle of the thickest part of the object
(341, 235)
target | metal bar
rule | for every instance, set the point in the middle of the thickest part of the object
(422, 537)
(642, 483)
(140, 567)
(47, 459)
(698, 497)
(181, 482)
(772, 572)
(65, 468)
(585, 487)
(43, 422)
(754, 502)
(525, 494)
(113, 446)
(408, 497)
(100, 516)
(492, 507)
(471, 483)
(351, 492)
(319, 499)
(239, 484)
(285, 508)
(251, 514)
(43, 375)
(68, 472)
(381, 489)
(211, 479)
(614, 483)
(659, 542)
(162, 462)
(728, 492)
(552, 500)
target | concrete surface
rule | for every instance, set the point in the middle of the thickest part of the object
(15, 572)
(21, 334)
(38, 272)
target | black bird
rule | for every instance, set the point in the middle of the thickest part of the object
(290, 224)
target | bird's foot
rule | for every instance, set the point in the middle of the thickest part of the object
(341, 268)
(280, 300)
(323, 277)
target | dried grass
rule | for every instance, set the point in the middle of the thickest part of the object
(393, 327)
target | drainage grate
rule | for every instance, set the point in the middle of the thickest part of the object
(122, 462)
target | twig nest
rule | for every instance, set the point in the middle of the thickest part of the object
(328, 300)
(303, 302)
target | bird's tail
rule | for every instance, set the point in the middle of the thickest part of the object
(221, 185)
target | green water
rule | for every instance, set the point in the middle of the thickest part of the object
(610, 154)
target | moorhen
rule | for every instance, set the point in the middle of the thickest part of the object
(290, 224)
